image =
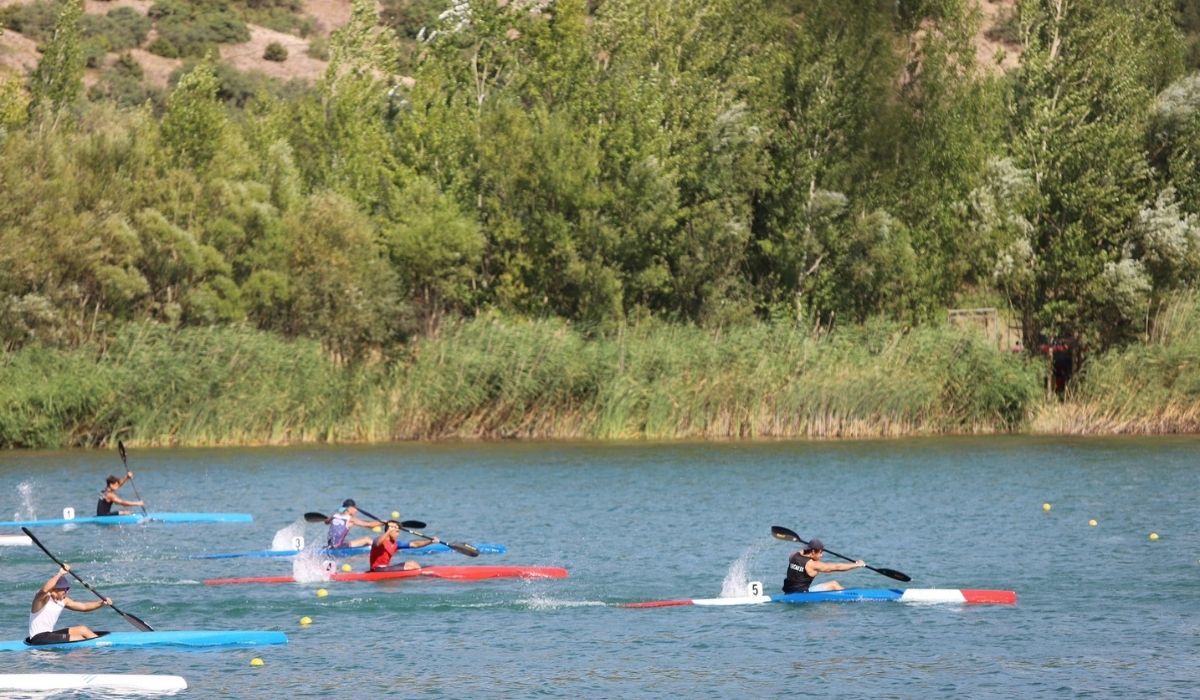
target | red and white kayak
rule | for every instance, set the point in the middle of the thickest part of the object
(457, 573)
(851, 595)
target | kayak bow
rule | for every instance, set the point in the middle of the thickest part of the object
(898, 595)
(178, 638)
(456, 573)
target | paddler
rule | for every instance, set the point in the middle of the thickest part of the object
(48, 604)
(384, 548)
(806, 564)
(340, 524)
(109, 496)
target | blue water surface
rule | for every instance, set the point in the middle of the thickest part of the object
(1102, 611)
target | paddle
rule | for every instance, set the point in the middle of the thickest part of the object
(131, 619)
(460, 547)
(121, 449)
(312, 517)
(782, 533)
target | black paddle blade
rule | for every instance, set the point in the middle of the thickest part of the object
(892, 573)
(134, 620)
(463, 548)
(314, 517)
(121, 451)
(782, 533)
(414, 524)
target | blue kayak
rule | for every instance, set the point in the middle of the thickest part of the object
(347, 552)
(180, 638)
(137, 518)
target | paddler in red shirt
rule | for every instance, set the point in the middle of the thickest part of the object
(384, 548)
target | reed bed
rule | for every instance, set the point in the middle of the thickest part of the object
(497, 377)
(505, 378)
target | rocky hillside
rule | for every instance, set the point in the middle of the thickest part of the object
(300, 27)
(303, 41)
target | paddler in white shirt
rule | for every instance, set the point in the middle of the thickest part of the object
(340, 524)
(48, 604)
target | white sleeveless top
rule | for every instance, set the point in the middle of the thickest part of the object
(45, 619)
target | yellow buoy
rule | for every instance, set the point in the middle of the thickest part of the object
(321, 592)
(395, 515)
(306, 620)
(256, 661)
(1154, 535)
(1046, 507)
(346, 568)
(1092, 522)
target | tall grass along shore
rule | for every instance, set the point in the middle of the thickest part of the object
(497, 377)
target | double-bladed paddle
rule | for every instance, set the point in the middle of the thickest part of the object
(131, 619)
(460, 547)
(409, 526)
(312, 517)
(782, 533)
(121, 450)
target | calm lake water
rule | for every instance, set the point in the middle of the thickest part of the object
(1102, 611)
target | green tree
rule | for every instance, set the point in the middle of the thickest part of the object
(343, 291)
(1088, 73)
(57, 82)
(435, 248)
(195, 123)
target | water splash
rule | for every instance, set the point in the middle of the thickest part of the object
(285, 538)
(737, 579)
(25, 492)
(309, 567)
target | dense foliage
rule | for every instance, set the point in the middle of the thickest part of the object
(812, 162)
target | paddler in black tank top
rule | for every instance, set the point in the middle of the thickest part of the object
(109, 496)
(804, 565)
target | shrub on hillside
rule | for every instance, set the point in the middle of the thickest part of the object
(318, 48)
(276, 52)
(236, 88)
(122, 83)
(191, 29)
(35, 20)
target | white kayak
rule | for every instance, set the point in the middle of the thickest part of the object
(15, 541)
(84, 681)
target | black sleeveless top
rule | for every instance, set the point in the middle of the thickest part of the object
(797, 580)
(104, 506)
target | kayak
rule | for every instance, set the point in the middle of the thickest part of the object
(15, 541)
(136, 518)
(457, 573)
(850, 595)
(346, 552)
(178, 638)
(86, 681)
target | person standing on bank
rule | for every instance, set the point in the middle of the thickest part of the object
(109, 496)
(48, 604)
(806, 564)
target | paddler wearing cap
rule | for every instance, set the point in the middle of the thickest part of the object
(340, 524)
(48, 604)
(804, 565)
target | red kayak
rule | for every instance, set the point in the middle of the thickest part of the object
(458, 573)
